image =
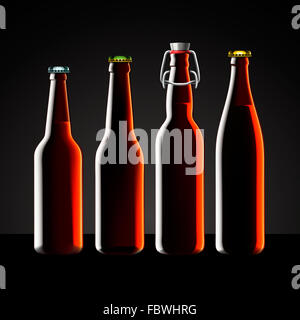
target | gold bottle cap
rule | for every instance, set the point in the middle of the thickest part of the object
(240, 54)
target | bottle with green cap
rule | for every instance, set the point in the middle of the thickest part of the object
(58, 177)
(119, 167)
(240, 183)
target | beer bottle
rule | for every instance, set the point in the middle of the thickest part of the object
(119, 175)
(179, 161)
(239, 167)
(58, 177)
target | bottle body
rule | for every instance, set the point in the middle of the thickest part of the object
(119, 181)
(58, 180)
(179, 182)
(239, 170)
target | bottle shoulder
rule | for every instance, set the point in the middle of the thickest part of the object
(58, 144)
(239, 124)
(178, 124)
(114, 143)
(111, 136)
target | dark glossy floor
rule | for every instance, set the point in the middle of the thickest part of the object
(84, 283)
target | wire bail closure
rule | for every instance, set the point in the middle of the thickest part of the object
(164, 74)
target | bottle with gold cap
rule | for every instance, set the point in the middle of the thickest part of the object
(119, 167)
(239, 167)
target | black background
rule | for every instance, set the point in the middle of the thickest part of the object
(82, 35)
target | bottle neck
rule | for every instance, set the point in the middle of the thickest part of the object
(239, 82)
(119, 105)
(179, 98)
(58, 120)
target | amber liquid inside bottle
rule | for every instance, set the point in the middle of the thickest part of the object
(58, 179)
(179, 196)
(240, 170)
(119, 184)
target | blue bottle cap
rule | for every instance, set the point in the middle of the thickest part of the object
(58, 69)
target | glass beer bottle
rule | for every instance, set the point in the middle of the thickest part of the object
(58, 177)
(179, 162)
(119, 167)
(239, 167)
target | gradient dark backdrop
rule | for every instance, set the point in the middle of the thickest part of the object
(82, 36)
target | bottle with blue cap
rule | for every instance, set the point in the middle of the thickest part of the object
(58, 177)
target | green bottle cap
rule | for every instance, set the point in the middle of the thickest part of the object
(58, 69)
(120, 59)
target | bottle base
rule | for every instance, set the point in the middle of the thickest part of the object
(120, 251)
(55, 251)
(239, 251)
(178, 252)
